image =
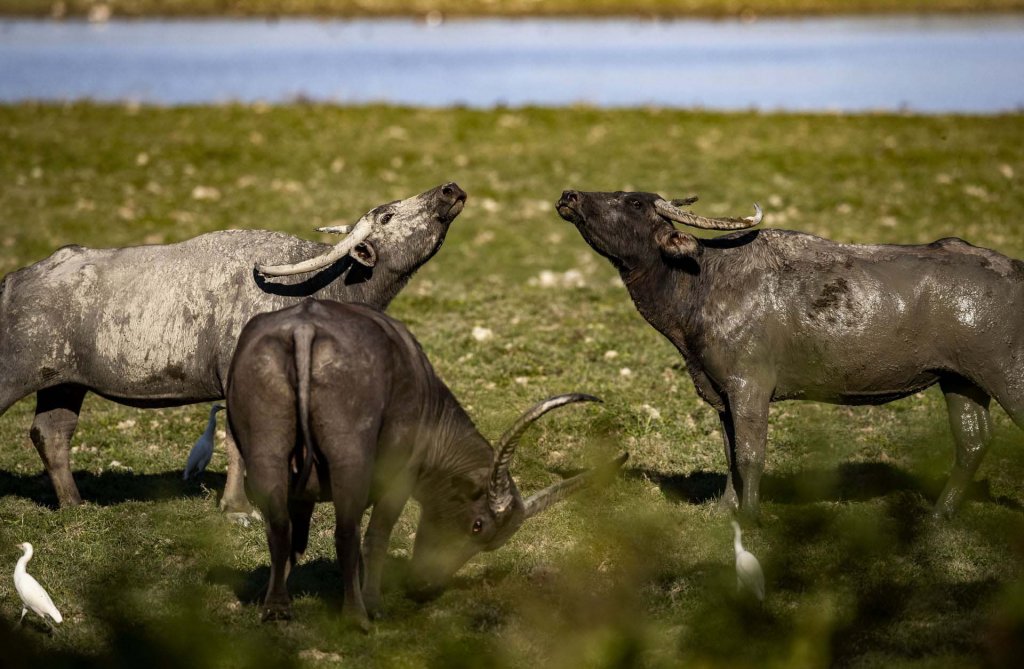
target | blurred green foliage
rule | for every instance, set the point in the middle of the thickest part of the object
(637, 574)
(747, 9)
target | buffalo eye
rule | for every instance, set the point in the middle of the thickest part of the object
(635, 204)
(478, 526)
(385, 218)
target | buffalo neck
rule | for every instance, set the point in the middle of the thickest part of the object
(454, 445)
(662, 294)
(376, 290)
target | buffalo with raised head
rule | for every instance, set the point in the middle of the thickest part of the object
(155, 326)
(337, 402)
(768, 315)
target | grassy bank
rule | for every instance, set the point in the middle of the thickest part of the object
(639, 574)
(509, 8)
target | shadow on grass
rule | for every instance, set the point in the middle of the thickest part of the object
(111, 487)
(893, 621)
(321, 578)
(854, 481)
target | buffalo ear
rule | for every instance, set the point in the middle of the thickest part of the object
(677, 245)
(364, 254)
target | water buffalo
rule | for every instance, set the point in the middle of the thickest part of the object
(769, 315)
(332, 401)
(155, 326)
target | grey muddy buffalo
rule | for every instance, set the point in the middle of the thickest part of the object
(337, 402)
(768, 315)
(155, 326)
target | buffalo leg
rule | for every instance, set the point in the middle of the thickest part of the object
(301, 513)
(234, 500)
(56, 418)
(378, 536)
(972, 431)
(750, 425)
(729, 500)
(350, 492)
(277, 605)
(270, 488)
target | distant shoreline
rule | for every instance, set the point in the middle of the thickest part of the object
(98, 10)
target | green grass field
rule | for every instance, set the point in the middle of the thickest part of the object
(350, 8)
(637, 574)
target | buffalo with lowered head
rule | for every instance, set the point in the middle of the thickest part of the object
(768, 315)
(155, 326)
(337, 402)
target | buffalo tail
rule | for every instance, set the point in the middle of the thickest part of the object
(303, 338)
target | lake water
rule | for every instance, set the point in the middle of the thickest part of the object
(933, 64)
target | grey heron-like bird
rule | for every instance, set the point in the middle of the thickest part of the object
(202, 452)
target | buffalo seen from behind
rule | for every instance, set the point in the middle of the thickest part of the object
(768, 315)
(337, 402)
(156, 326)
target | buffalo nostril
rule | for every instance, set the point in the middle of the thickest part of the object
(571, 196)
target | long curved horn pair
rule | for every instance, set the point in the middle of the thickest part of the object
(357, 233)
(671, 211)
(500, 496)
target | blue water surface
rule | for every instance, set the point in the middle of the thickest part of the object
(922, 64)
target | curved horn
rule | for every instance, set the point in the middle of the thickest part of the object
(670, 211)
(360, 231)
(335, 229)
(499, 492)
(536, 503)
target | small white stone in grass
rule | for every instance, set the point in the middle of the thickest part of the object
(626, 372)
(126, 424)
(573, 278)
(142, 159)
(482, 334)
(221, 434)
(205, 193)
(650, 411)
(547, 279)
(522, 380)
(611, 355)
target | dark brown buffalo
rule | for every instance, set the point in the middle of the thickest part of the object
(337, 402)
(768, 315)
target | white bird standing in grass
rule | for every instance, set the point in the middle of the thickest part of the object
(33, 597)
(748, 569)
(202, 452)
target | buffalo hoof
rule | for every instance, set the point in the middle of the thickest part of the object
(728, 503)
(230, 505)
(276, 612)
(360, 622)
(244, 519)
(372, 604)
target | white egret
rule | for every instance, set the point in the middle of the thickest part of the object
(748, 569)
(33, 597)
(201, 453)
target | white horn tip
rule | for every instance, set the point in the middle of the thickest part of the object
(758, 215)
(335, 229)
